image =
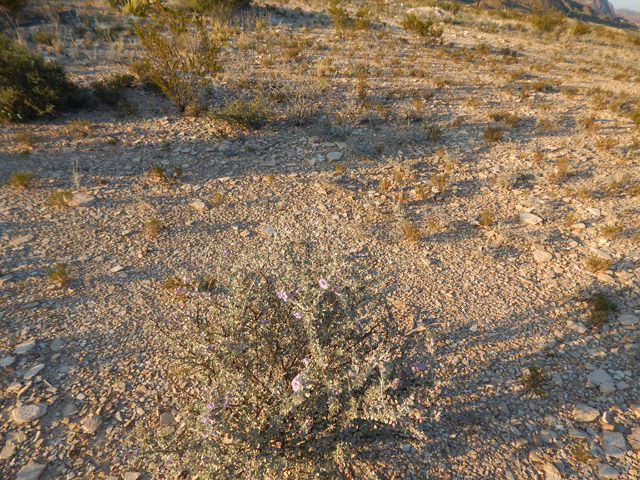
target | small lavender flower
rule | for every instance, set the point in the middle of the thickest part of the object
(323, 283)
(298, 315)
(296, 383)
(282, 295)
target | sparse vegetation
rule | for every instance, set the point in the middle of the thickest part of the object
(493, 134)
(611, 231)
(411, 232)
(595, 264)
(153, 226)
(59, 274)
(157, 173)
(216, 198)
(426, 29)
(536, 380)
(60, 198)
(251, 114)
(601, 309)
(79, 127)
(20, 180)
(486, 217)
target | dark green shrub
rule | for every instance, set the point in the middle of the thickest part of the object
(425, 28)
(110, 91)
(31, 86)
(214, 6)
(251, 114)
(297, 368)
(181, 55)
(547, 21)
(343, 21)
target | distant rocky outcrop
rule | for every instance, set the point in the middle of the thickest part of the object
(598, 6)
(564, 6)
(630, 15)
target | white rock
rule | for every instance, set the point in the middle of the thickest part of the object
(551, 472)
(585, 413)
(634, 438)
(198, 205)
(25, 347)
(28, 413)
(542, 256)
(7, 361)
(31, 471)
(614, 444)
(628, 320)
(116, 269)
(578, 327)
(131, 476)
(607, 471)
(599, 377)
(68, 410)
(33, 371)
(82, 200)
(604, 277)
(578, 226)
(20, 240)
(530, 218)
(268, 231)
(56, 345)
(334, 155)
(594, 211)
(8, 451)
(92, 423)
(599, 253)
(607, 388)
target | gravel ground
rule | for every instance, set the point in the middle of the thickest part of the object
(78, 369)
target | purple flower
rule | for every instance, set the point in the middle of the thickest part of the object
(211, 406)
(283, 296)
(296, 383)
(263, 321)
(305, 361)
(298, 315)
(323, 283)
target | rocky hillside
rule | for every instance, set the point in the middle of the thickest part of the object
(598, 6)
(630, 15)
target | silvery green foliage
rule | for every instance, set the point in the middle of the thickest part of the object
(300, 369)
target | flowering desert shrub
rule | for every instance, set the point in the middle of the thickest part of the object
(297, 368)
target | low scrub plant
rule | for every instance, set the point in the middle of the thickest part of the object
(79, 127)
(32, 87)
(595, 264)
(411, 232)
(60, 198)
(157, 173)
(27, 137)
(181, 54)
(59, 274)
(493, 134)
(611, 231)
(547, 21)
(486, 217)
(216, 198)
(251, 114)
(504, 116)
(580, 28)
(110, 91)
(343, 21)
(536, 380)
(215, 6)
(426, 29)
(153, 226)
(601, 309)
(296, 368)
(20, 180)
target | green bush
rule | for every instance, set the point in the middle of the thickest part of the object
(547, 21)
(138, 8)
(110, 91)
(297, 368)
(343, 21)
(251, 114)
(31, 86)
(181, 55)
(580, 29)
(424, 28)
(214, 6)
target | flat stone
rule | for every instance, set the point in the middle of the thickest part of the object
(8, 451)
(585, 413)
(607, 471)
(578, 327)
(7, 361)
(268, 231)
(31, 471)
(131, 476)
(92, 423)
(614, 444)
(28, 413)
(599, 253)
(551, 472)
(634, 438)
(604, 277)
(607, 388)
(542, 256)
(82, 200)
(628, 320)
(167, 418)
(198, 205)
(575, 433)
(56, 345)
(621, 385)
(68, 410)
(33, 371)
(578, 226)
(599, 377)
(16, 242)
(530, 218)
(334, 155)
(267, 163)
(594, 211)
(25, 347)
(116, 269)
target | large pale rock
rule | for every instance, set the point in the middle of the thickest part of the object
(33, 371)
(585, 413)
(530, 218)
(31, 471)
(28, 413)
(634, 438)
(92, 423)
(599, 253)
(607, 471)
(16, 242)
(82, 200)
(551, 472)
(603, 380)
(25, 347)
(628, 320)
(614, 444)
(542, 256)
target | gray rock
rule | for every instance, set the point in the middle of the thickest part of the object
(7, 362)
(32, 372)
(584, 413)
(92, 423)
(599, 253)
(268, 231)
(167, 418)
(607, 388)
(56, 345)
(116, 269)
(628, 320)
(542, 256)
(614, 444)
(25, 347)
(530, 218)
(334, 155)
(575, 433)
(31, 471)
(599, 377)
(551, 472)
(578, 327)
(634, 438)
(595, 211)
(28, 413)
(16, 242)
(131, 476)
(8, 451)
(82, 200)
(607, 471)
(68, 410)
(198, 205)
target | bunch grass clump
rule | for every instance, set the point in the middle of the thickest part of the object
(297, 368)
(59, 274)
(20, 180)
(252, 114)
(601, 309)
(426, 29)
(60, 198)
(181, 54)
